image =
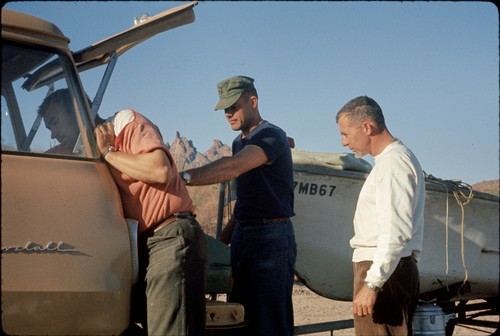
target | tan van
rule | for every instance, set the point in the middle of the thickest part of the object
(69, 256)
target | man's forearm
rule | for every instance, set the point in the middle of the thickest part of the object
(153, 167)
(212, 173)
(229, 167)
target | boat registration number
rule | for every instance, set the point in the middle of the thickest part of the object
(308, 188)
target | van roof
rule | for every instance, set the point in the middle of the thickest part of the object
(21, 24)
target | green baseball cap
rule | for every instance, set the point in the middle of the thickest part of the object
(230, 90)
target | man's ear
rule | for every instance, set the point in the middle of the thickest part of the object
(369, 128)
(253, 101)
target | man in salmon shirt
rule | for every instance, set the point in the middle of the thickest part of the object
(169, 298)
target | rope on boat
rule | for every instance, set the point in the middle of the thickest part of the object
(463, 193)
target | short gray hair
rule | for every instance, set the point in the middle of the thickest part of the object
(361, 108)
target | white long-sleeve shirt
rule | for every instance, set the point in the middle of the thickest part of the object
(389, 217)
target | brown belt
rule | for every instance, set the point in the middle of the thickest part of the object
(173, 218)
(262, 221)
(409, 258)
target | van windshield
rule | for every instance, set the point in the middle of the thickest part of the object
(26, 127)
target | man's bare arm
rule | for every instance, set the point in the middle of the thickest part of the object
(228, 168)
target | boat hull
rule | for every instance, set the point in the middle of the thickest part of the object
(458, 261)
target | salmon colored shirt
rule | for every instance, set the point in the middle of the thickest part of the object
(148, 203)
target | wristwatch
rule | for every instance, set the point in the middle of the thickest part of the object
(371, 286)
(186, 177)
(107, 150)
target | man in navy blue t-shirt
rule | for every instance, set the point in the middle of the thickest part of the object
(263, 249)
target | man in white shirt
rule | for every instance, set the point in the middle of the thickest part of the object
(388, 223)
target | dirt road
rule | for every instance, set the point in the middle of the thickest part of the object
(310, 308)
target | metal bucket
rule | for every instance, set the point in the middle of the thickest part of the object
(429, 319)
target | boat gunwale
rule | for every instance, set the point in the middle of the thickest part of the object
(430, 185)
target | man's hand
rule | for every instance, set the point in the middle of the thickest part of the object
(364, 301)
(105, 136)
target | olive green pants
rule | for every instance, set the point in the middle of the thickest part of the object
(174, 262)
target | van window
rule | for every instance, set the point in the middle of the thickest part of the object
(31, 122)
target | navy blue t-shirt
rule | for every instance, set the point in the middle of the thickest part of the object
(265, 191)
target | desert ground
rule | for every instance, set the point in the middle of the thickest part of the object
(310, 308)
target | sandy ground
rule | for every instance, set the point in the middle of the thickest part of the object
(310, 308)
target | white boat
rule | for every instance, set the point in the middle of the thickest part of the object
(460, 257)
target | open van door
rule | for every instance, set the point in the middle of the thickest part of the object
(69, 258)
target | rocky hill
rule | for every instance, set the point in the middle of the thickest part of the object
(489, 187)
(186, 155)
(205, 198)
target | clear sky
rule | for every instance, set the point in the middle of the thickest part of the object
(432, 66)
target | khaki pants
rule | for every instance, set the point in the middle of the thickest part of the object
(395, 304)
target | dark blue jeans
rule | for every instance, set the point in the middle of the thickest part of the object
(263, 259)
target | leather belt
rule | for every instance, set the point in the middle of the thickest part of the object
(173, 218)
(262, 221)
(410, 257)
